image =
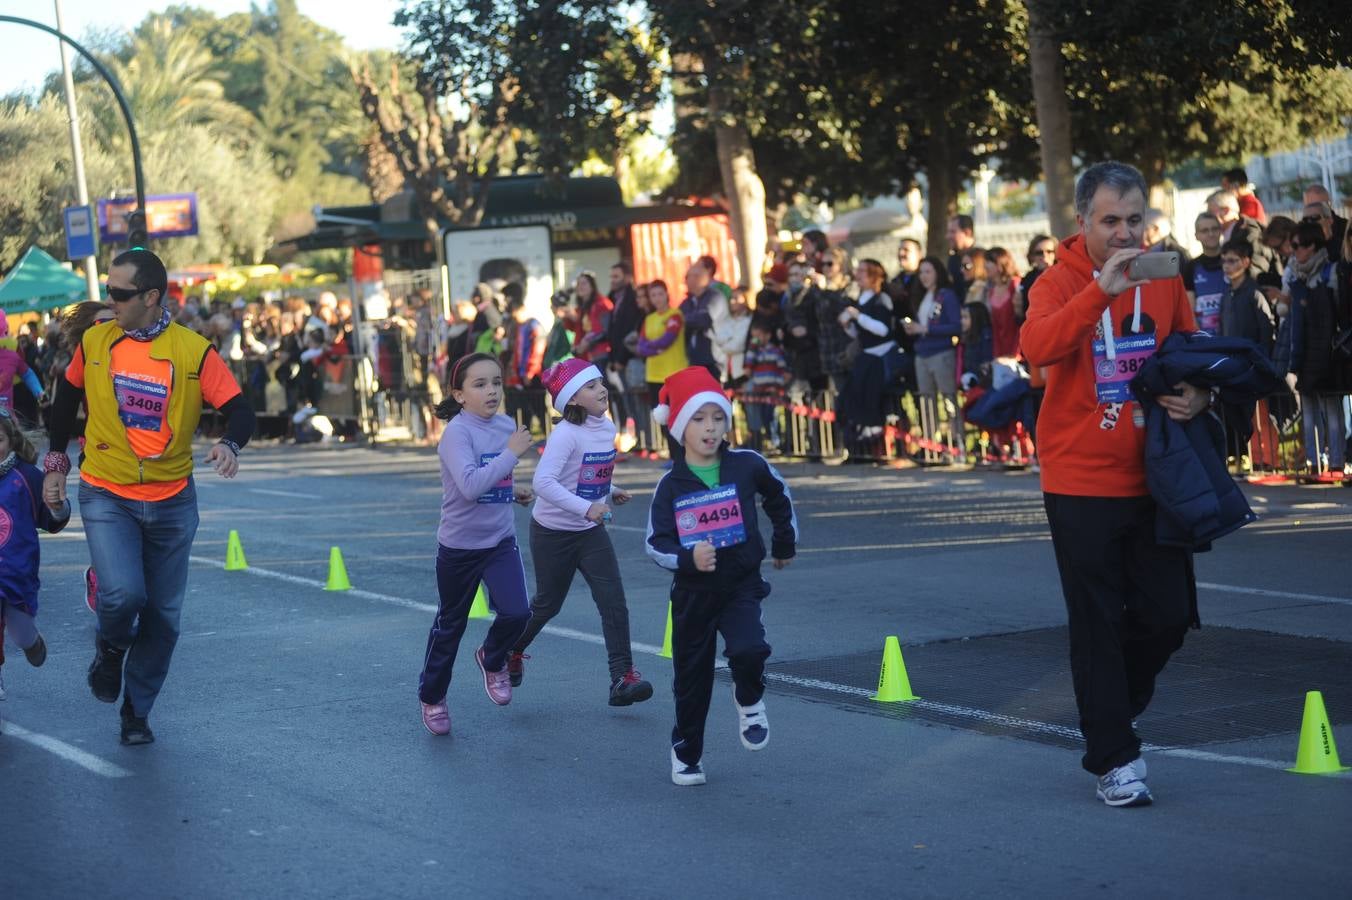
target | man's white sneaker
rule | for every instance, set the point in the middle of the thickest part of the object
(1123, 786)
(685, 775)
(752, 725)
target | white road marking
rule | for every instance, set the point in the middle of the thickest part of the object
(1264, 592)
(65, 751)
(982, 715)
(950, 709)
(1018, 538)
(277, 493)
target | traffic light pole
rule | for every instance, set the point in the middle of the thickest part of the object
(136, 222)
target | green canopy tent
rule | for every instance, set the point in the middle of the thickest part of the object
(40, 283)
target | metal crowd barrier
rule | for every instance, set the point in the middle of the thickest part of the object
(804, 425)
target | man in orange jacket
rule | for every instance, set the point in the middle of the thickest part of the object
(1129, 600)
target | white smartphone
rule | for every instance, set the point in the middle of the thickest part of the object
(1154, 266)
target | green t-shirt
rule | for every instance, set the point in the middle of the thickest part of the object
(706, 474)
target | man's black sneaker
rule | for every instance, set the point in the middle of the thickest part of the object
(629, 688)
(135, 729)
(105, 672)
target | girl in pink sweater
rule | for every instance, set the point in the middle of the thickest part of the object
(573, 495)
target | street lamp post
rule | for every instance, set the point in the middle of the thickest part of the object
(136, 223)
(91, 263)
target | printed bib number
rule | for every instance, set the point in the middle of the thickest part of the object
(141, 403)
(500, 492)
(1112, 377)
(593, 479)
(1208, 312)
(714, 515)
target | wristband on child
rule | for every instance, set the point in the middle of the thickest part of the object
(234, 448)
(56, 461)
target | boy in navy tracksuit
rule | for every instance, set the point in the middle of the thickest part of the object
(703, 527)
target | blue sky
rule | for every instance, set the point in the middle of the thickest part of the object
(27, 55)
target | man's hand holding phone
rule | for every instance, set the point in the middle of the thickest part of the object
(1113, 278)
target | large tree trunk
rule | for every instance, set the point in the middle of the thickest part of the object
(1053, 121)
(742, 185)
(943, 188)
(1151, 163)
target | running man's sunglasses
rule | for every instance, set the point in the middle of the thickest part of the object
(118, 295)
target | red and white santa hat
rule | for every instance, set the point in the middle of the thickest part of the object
(682, 395)
(565, 378)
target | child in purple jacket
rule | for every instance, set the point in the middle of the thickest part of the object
(477, 541)
(22, 513)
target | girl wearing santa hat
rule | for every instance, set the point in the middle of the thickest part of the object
(703, 527)
(574, 491)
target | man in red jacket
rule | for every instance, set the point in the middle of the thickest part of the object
(1129, 600)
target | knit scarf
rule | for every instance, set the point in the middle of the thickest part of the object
(8, 463)
(150, 332)
(1311, 270)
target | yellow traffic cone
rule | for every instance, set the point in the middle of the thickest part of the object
(479, 608)
(234, 553)
(893, 684)
(337, 572)
(666, 640)
(1317, 753)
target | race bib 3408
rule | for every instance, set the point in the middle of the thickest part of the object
(141, 402)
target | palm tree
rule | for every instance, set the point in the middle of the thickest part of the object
(169, 83)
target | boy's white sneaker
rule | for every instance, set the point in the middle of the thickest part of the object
(753, 727)
(685, 775)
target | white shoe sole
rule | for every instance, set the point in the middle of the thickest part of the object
(1141, 799)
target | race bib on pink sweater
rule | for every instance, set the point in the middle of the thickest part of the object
(593, 479)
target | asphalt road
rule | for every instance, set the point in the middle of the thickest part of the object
(291, 760)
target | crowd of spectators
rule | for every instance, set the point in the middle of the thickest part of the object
(924, 364)
(927, 363)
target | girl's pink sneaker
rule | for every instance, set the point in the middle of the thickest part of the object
(436, 718)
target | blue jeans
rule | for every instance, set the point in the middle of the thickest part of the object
(140, 552)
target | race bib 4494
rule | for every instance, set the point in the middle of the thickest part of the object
(714, 515)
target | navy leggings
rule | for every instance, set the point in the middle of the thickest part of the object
(459, 573)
